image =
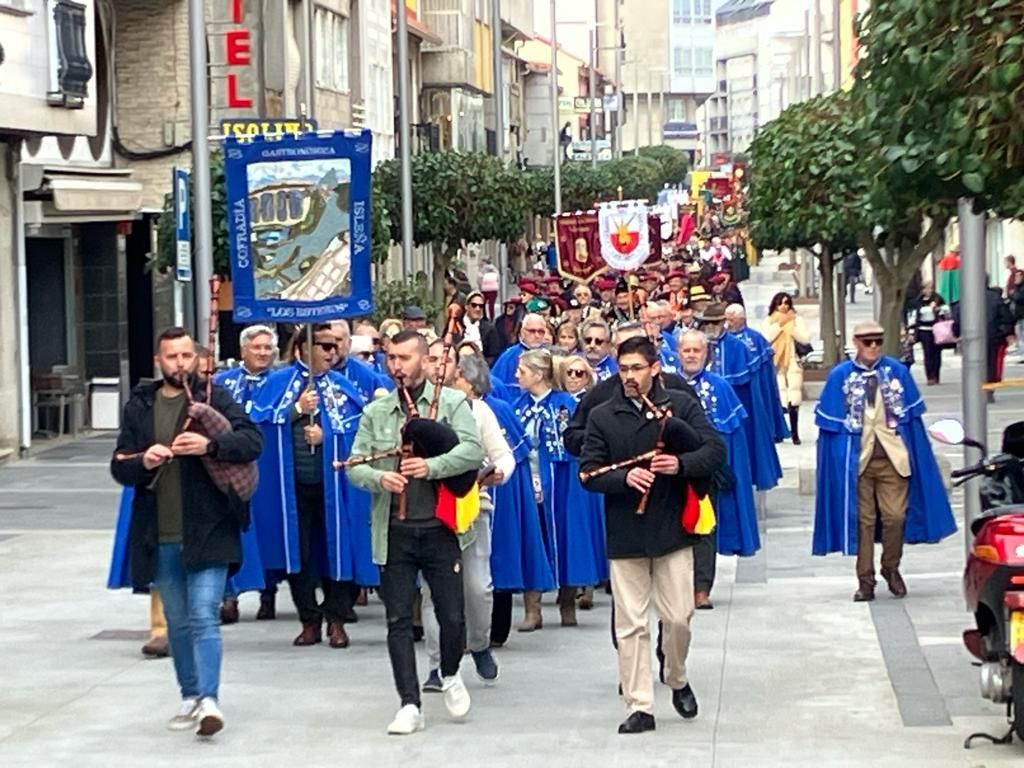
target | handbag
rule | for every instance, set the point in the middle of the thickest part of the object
(802, 350)
(942, 333)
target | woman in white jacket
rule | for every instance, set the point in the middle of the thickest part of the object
(784, 329)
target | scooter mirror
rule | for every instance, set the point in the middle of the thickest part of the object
(948, 431)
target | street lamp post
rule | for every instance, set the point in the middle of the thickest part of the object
(591, 93)
(556, 161)
(202, 215)
(404, 139)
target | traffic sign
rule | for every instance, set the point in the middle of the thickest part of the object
(182, 226)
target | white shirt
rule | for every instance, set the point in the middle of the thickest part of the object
(472, 332)
(496, 447)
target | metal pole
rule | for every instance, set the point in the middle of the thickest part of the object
(636, 108)
(500, 131)
(593, 94)
(650, 113)
(404, 140)
(307, 58)
(201, 216)
(617, 115)
(817, 75)
(973, 346)
(837, 44)
(21, 278)
(556, 159)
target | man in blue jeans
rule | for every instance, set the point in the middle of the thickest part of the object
(184, 550)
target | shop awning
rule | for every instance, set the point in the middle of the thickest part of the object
(68, 196)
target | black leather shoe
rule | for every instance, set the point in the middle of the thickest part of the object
(685, 703)
(638, 722)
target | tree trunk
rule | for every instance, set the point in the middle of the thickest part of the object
(826, 267)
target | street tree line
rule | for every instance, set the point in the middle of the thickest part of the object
(933, 116)
(462, 198)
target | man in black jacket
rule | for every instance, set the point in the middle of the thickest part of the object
(185, 532)
(479, 329)
(651, 554)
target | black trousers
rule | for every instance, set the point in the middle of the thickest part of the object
(434, 551)
(932, 354)
(501, 617)
(704, 553)
(309, 503)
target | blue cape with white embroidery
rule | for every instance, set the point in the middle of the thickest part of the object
(345, 555)
(735, 512)
(574, 517)
(840, 420)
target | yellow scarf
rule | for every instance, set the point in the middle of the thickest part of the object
(783, 346)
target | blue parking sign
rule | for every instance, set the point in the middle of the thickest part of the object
(182, 226)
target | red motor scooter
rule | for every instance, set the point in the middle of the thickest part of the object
(993, 579)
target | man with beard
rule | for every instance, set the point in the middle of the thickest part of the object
(185, 532)
(408, 536)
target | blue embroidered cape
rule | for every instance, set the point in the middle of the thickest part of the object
(840, 420)
(244, 387)
(730, 359)
(606, 368)
(519, 558)
(574, 517)
(345, 554)
(364, 378)
(504, 370)
(762, 366)
(734, 507)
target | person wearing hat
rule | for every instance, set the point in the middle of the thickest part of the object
(723, 289)
(414, 318)
(527, 290)
(874, 459)
(507, 324)
(619, 311)
(699, 298)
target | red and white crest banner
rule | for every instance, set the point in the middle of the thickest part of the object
(625, 234)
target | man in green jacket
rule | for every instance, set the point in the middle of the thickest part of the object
(419, 541)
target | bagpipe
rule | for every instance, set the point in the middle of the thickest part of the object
(675, 437)
(426, 438)
(204, 419)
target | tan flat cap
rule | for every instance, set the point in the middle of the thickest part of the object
(867, 328)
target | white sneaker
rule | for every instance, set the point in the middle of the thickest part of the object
(408, 720)
(185, 718)
(209, 718)
(456, 697)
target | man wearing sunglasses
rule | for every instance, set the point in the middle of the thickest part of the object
(358, 371)
(479, 330)
(532, 334)
(874, 460)
(309, 415)
(597, 348)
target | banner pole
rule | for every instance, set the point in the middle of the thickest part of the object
(309, 363)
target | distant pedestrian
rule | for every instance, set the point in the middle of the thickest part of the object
(874, 460)
(924, 312)
(489, 282)
(185, 533)
(852, 273)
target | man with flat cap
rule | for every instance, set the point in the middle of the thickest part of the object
(875, 461)
(414, 318)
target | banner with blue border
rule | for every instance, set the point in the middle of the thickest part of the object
(299, 226)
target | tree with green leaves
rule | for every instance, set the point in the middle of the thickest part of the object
(798, 170)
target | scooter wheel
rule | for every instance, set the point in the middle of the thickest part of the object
(1017, 696)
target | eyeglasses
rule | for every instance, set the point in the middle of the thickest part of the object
(576, 373)
(366, 355)
(594, 340)
(871, 342)
(476, 304)
(633, 368)
(326, 346)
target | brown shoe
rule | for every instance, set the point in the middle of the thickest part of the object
(229, 612)
(336, 635)
(897, 586)
(310, 634)
(702, 601)
(585, 601)
(866, 592)
(157, 648)
(532, 618)
(362, 598)
(567, 606)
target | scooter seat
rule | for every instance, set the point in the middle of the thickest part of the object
(1016, 510)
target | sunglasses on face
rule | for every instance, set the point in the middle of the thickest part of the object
(594, 340)
(576, 373)
(366, 355)
(871, 342)
(476, 304)
(326, 346)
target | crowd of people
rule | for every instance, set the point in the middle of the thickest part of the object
(574, 441)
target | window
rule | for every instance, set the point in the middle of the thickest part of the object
(676, 110)
(681, 12)
(682, 62)
(703, 62)
(15, 7)
(702, 11)
(331, 50)
(71, 69)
